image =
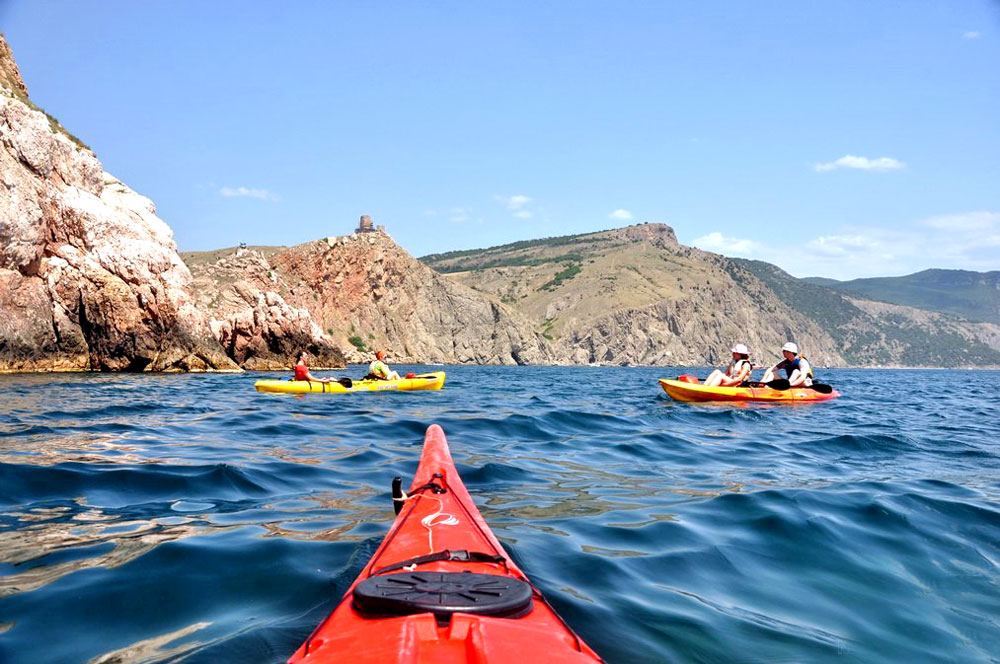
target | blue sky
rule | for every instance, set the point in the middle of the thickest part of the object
(840, 139)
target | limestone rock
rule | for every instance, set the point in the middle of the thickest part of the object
(89, 275)
(254, 323)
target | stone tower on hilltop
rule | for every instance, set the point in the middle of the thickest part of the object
(366, 226)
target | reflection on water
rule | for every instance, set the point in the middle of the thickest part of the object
(155, 649)
(168, 518)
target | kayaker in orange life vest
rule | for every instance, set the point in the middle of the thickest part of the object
(799, 371)
(302, 371)
(738, 370)
(380, 369)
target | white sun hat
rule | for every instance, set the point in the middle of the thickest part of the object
(790, 347)
(741, 349)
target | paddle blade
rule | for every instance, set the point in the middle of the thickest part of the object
(779, 384)
(346, 382)
(822, 388)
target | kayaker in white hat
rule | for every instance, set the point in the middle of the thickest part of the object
(739, 369)
(797, 368)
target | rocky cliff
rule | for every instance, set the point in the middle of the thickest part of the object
(252, 321)
(89, 275)
(366, 292)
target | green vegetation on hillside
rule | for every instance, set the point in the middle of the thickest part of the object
(571, 271)
(972, 295)
(517, 261)
(827, 307)
(432, 259)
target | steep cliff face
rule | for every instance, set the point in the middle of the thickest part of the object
(89, 275)
(635, 296)
(365, 288)
(251, 320)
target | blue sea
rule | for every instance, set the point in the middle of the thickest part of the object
(187, 518)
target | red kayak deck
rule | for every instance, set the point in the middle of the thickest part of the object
(439, 519)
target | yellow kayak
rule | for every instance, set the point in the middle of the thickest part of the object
(683, 391)
(431, 381)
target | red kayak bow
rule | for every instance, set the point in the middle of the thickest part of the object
(440, 589)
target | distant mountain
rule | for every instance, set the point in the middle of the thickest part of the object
(870, 332)
(821, 281)
(972, 295)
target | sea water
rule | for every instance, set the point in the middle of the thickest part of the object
(162, 518)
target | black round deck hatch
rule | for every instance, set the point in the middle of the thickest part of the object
(443, 593)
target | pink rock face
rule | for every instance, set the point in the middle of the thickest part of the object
(253, 323)
(362, 287)
(90, 278)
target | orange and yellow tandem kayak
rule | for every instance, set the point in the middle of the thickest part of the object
(431, 381)
(440, 589)
(684, 391)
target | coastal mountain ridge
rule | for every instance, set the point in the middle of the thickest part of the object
(971, 295)
(634, 295)
(619, 285)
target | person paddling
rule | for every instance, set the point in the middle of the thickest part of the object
(379, 369)
(739, 369)
(302, 371)
(798, 369)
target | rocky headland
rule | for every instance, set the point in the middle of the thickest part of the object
(365, 292)
(90, 278)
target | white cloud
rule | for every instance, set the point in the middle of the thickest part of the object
(840, 246)
(459, 215)
(729, 246)
(245, 192)
(515, 202)
(961, 240)
(621, 215)
(861, 163)
(967, 221)
(971, 34)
